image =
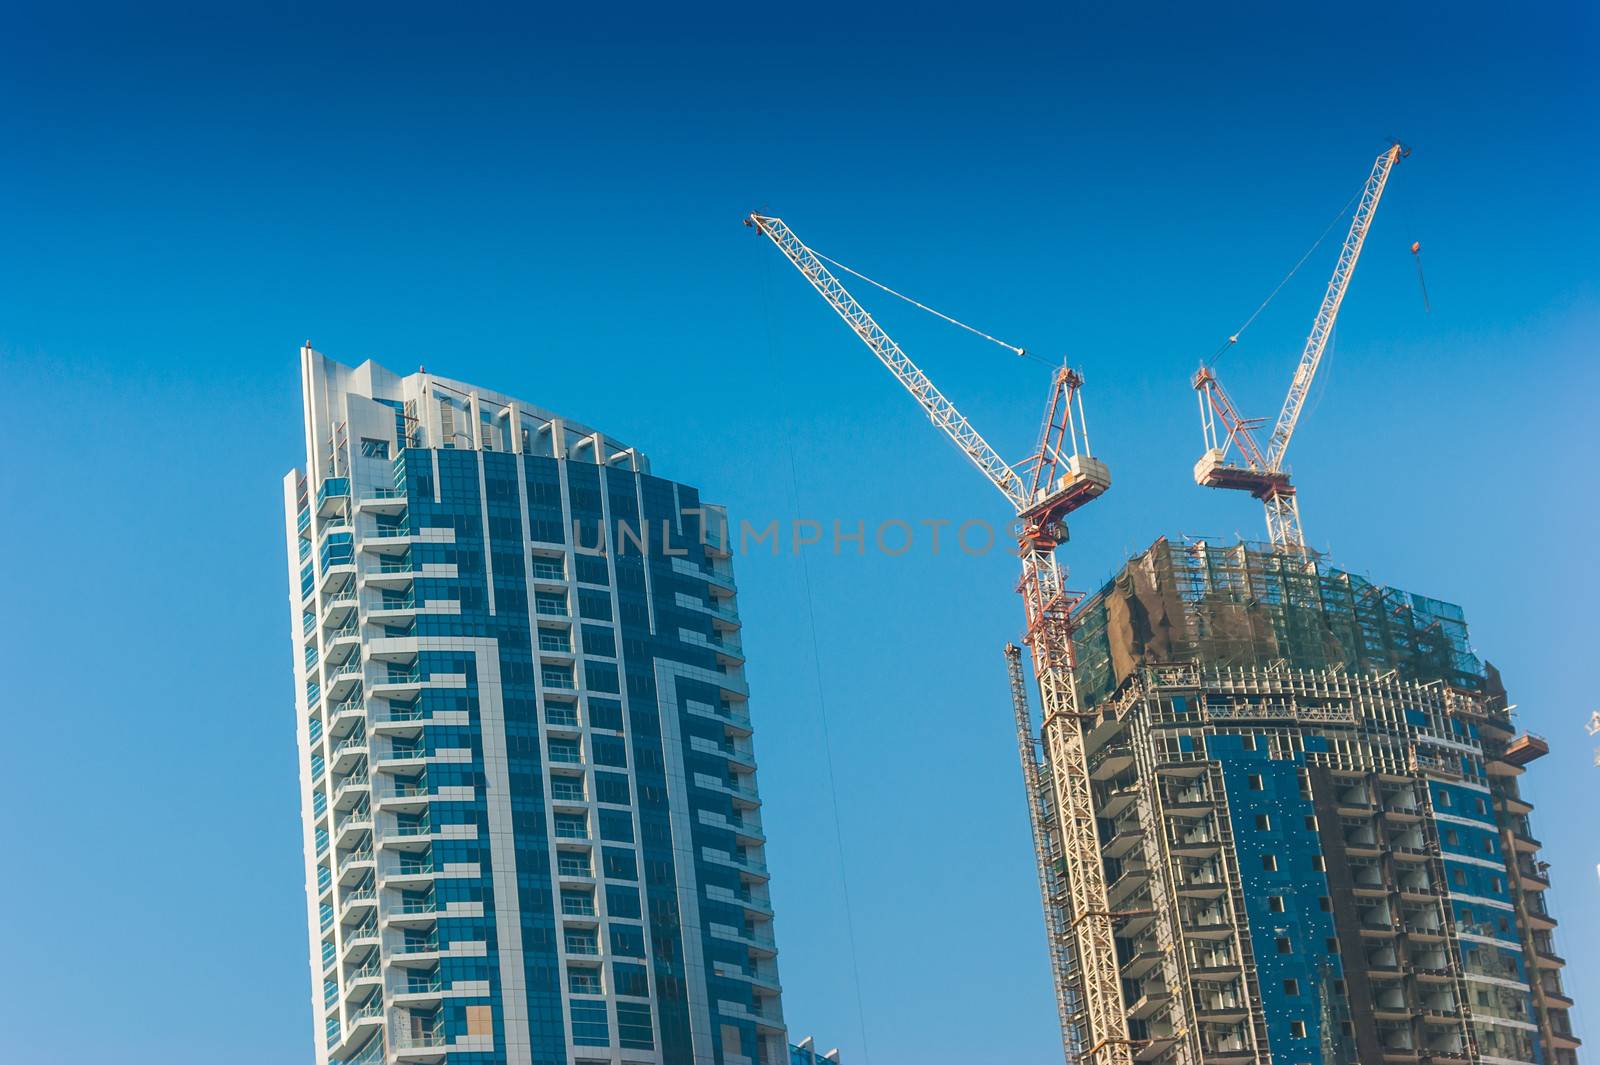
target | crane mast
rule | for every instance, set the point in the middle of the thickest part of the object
(1046, 847)
(1262, 473)
(1057, 479)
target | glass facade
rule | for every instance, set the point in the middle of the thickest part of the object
(532, 825)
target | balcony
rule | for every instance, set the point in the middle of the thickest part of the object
(1195, 841)
(392, 574)
(335, 577)
(339, 605)
(1522, 837)
(582, 943)
(744, 798)
(342, 677)
(1423, 931)
(1355, 802)
(381, 500)
(356, 864)
(347, 828)
(405, 796)
(367, 975)
(393, 609)
(413, 913)
(1537, 912)
(1534, 876)
(360, 939)
(348, 631)
(1221, 1009)
(718, 583)
(747, 833)
(367, 1013)
(551, 606)
(388, 538)
(346, 714)
(350, 790)
(1554, 995)
(1207, 924)
(1142, 960)
(420, 989)
(1201, 883)
(1127, 835)
(417, 949)
(1391, 1004)
(407, 834)
(402, 714)
(1544, 953)
(357, 902)
(419, 1044)
(735, 718)
(1134, 875)
(410, 869)
(1110, 760)
(343, 760)
(1153, 995)
(332, 496)
(398, 685)
(1430, 965)
(750, 868)
(1186, 802)
(1416, 884)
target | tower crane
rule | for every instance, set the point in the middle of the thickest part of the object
(1262, 473)
(1058, 478)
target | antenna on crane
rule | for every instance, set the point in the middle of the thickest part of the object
(1262, 473)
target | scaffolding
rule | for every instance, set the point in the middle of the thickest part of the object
(1248, 606)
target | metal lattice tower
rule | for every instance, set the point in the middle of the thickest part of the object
(1262, 473)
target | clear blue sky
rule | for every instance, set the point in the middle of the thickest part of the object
(549, 205)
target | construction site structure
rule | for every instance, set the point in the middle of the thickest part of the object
(1274, 805)
(1262, 472)
(1058, 478)
(1305, 788)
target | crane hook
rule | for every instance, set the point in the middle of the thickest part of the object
(1416, 253)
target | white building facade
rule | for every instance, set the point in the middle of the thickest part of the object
(532, 829)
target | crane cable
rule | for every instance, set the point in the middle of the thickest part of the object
(1022, 352)
(1237, 333)
(816, 666)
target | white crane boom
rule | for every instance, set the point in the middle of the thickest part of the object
(1328, 313)
(1262, 473)
(940, 410)
(1083, 947)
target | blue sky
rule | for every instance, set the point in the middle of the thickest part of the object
(548, 204)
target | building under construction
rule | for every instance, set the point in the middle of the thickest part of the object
(1274, 805)
(1313, 844)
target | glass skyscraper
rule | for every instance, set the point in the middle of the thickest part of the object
(532, 829)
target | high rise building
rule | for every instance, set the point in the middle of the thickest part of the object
(1315, 847)
(532, 829)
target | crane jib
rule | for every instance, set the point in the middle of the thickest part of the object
(1057, 479)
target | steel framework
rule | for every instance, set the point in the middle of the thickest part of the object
(1058, 478)
(1262, 474)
